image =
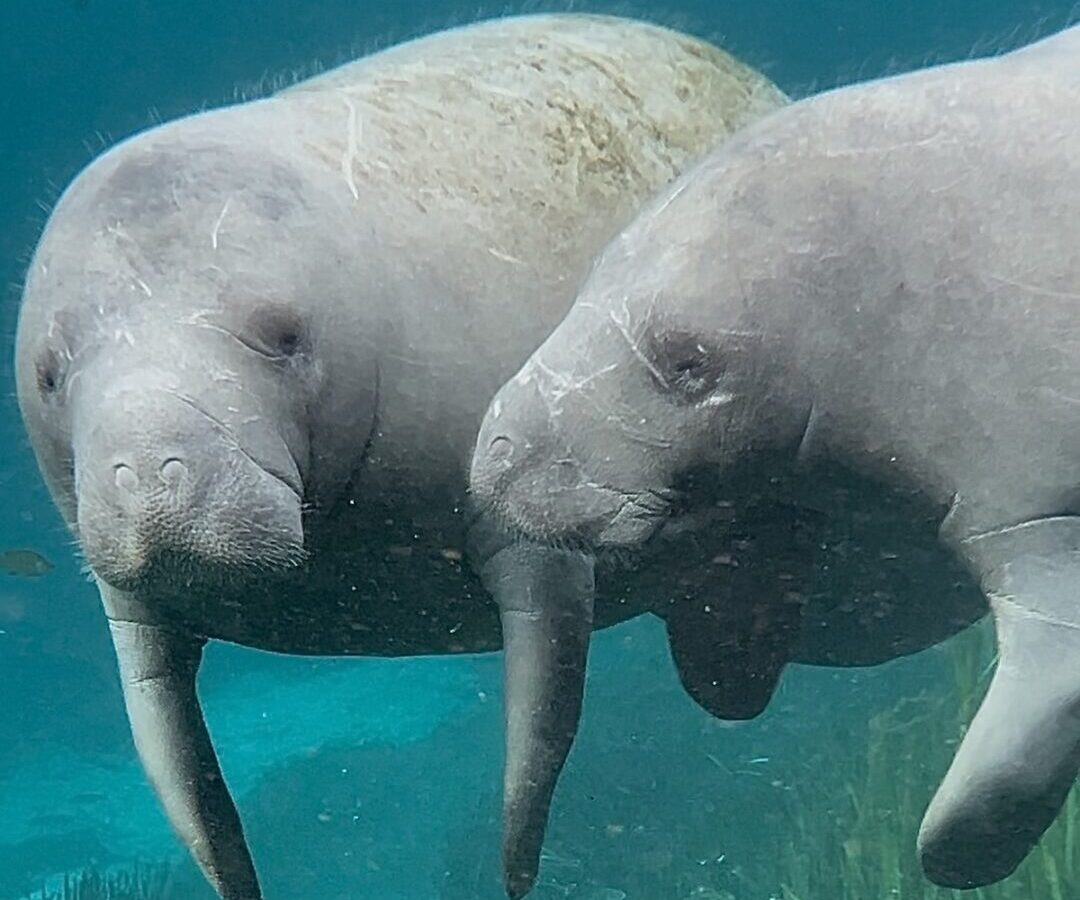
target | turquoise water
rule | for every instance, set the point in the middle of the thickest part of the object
(369, 778)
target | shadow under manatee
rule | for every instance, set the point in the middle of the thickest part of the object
(654, 801)
(390, 778)
(659, 800)
(368, 820)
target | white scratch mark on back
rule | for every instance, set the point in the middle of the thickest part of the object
(352, 139)
(670, 198)
(505, 257)
(1034, 289)
(1055, 394)
(217, 224)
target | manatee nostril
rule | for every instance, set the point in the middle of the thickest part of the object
(501, 449)
(173, 469)
(125, 477)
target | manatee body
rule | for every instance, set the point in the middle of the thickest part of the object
(860, 316)
(255, 346)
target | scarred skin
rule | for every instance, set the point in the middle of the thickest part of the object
(866, 305)
(255, 345)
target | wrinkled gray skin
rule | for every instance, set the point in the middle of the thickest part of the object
(871, 297)
(256, 344)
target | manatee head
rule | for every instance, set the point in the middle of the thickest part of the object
(171, 356)
(657, 375)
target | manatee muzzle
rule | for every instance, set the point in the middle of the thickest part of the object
(167, 494)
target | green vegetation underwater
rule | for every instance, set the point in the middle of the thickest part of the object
(380, 778)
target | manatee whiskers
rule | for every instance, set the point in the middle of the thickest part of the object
(649, 507)
(195, 558)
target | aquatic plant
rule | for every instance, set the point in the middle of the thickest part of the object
(136, 882)
(857, 841)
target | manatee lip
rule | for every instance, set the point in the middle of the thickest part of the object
(637, 519)
(169, 570)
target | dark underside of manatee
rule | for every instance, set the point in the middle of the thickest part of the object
(852, 568)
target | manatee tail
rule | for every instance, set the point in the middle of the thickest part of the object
(545, 599)
(1021, 754)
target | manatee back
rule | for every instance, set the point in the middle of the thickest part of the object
(491, 163)
(575, 119)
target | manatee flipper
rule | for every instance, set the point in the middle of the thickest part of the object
(1021, 754)
(738, 622)
(158, 669)
(730, 651)
(545, 598)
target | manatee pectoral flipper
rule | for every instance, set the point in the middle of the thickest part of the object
(736, 625)
(545, 598)
(158, 669)
(731, 649)
(1021, 754)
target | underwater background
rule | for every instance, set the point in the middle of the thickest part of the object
(380, 779)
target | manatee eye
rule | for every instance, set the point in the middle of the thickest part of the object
(686, 365)
(279, 332)
(690, 367)
(289, 342)
(50, 372)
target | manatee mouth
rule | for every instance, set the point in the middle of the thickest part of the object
(612, 520)
(158, 547)
(639, 517)
(171, 569)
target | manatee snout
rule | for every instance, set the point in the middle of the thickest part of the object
(512, 445)
(555, 472)
(499, 447)
(168, 494)
(526, 470)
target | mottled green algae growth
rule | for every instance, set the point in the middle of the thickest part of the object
(610, 109)
(636, 136)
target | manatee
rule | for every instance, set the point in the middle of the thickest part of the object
(256, 343)
(859, 315)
